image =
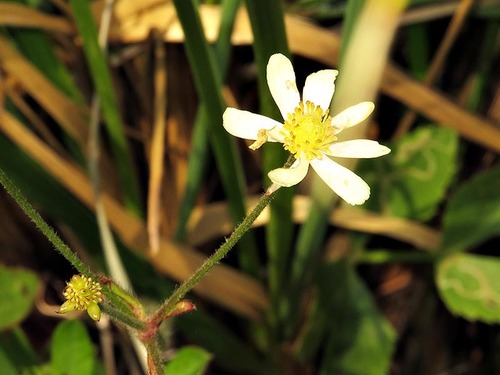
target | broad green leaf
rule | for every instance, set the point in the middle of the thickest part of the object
(38, 370)
(17, 293)
(469, 286)
(71, 349)
(360, 340)
(473, 213)
(412, 180)
(189, 360)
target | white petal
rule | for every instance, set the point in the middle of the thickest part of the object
(281, 82)
(290, 176)
(348, 185)
(319, 88)
(358, 148)
(353, 115)
(246, 124)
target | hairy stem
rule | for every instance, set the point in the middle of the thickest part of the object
(220, 253)
(47, 231)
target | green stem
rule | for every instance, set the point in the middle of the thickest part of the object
(65, 251)
(117, 302)
(130, 300)
(220, 253)
(44, 227)
(154, 358)
(123, 317)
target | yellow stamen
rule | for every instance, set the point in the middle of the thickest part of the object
(308, 131)
(261, 139)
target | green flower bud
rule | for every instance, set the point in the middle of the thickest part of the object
(94, 312)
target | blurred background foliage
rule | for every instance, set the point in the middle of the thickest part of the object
(122, 100)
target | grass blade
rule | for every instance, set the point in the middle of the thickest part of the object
(200, 140)
(102, 80)
(208, 85)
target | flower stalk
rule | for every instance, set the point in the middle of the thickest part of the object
(216, 257)
(123, 317)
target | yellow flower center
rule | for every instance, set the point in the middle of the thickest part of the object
(308, 131)
(82, 292)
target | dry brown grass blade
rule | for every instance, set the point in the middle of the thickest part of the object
(436, 107)
(21, 16)
(213, 221)
(414, 233)
(157, 145)
(137, 18)
(66, 112)
(223, 285)
(181, 113)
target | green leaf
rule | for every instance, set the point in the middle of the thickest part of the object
(101, 77)
(468, 284)
(71, 349)
(360, 340)
(17, 293)
(417, 173)
(189, 360)
(473, 213)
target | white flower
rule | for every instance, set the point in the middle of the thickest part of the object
(308, 132)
